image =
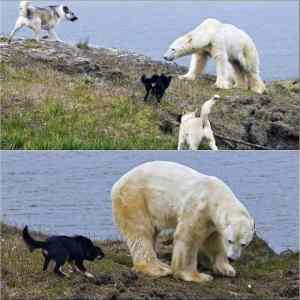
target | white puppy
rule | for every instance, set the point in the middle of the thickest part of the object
(42, 18)
(194, 128)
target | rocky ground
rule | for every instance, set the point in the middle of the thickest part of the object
(241, 120)
(261, 274)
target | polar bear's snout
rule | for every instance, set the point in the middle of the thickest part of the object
(236, 237)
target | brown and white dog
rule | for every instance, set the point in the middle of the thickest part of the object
(42, 18)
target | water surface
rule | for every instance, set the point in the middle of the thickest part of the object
(69, 192)
(148, 27)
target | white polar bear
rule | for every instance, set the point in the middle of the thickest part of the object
(232, 49)
(195, 127)
(202, 209)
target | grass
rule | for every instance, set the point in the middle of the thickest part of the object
(83, 44)
(62, 97)
(271, 276)
(45, 109)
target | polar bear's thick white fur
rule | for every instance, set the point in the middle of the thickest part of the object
(195, 127)
(232, 49)
(202, 209)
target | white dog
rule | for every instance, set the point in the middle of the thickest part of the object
(195, 127)
(42, 18)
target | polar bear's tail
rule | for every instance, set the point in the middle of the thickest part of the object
(206, 109)
(24, 5)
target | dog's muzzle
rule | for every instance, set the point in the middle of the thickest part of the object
(73, 19)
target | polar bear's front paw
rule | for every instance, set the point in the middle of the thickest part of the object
(193, 276)
(158, 269)
(187, 77)
(225, 270)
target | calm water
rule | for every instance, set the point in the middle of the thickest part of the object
(69, 192)
(148, 27)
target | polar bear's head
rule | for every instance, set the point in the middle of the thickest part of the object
(238, 236)
(181, 47)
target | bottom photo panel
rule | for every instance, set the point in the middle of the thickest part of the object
(150, 225)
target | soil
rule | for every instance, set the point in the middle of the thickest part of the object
(261, 274)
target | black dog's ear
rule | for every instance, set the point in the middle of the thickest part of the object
(66, 9)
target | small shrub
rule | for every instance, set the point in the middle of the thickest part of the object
(83, 44)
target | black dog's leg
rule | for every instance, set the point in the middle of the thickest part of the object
(146, 96)
(158, 97)
(81, 267)
(46, 262)
(59, 262)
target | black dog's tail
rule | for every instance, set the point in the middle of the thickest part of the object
(30, 242)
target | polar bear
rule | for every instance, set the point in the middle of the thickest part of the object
(232, 49)
(202, 209)
(195, 127)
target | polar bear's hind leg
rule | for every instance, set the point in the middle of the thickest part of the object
(241, 80)
(198, 63)
(255, 83)
(223, 71)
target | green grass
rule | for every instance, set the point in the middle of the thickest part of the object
(45, 109)
(83, 44)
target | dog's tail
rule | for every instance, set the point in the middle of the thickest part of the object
(24, 6)
(206, 109)
(30, 242)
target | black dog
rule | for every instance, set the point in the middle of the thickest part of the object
(64, 249)
(157, 85)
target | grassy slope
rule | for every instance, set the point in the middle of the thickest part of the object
(50, 103)
(271, 276)
(46, 109)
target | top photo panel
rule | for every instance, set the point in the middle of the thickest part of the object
(149, 75)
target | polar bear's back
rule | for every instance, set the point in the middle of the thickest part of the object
(159, 174)
(239, 45)
(156, 190)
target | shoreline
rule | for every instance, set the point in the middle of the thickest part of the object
(102, 85)
(262, 274)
